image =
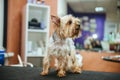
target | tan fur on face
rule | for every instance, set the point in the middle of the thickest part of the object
(69, 29)
(66, 29)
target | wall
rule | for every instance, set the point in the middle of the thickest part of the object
(112, 17)
(14, 27)
(14, 24)
(1, 22)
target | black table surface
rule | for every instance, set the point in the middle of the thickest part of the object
(28, 73)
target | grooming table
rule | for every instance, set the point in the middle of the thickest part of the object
(28, 73)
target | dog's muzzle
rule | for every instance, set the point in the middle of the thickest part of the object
(78, 27)
(77, 30)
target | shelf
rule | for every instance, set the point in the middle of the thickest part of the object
(10, 54)
(37, 30)
(34, 55)
(37, 5)
(42, 14)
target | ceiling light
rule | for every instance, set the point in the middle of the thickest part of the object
(99, 9)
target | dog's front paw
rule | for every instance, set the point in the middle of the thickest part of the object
(44, 73)
(76, 70)
(61, 73)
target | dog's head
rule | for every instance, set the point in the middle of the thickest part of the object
(67, 26)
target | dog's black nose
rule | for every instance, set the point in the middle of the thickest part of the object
(78, 27)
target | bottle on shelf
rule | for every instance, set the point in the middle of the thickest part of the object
(38, 1)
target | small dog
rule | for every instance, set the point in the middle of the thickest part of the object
(62, 46)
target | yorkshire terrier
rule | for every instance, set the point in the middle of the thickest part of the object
(61, 46)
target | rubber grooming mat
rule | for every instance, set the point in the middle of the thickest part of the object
(28, 73)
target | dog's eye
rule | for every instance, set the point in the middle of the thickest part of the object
(70, 22)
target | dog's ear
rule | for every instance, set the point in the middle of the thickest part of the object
(55, 20)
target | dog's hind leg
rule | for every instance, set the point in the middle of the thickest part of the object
(46, 65)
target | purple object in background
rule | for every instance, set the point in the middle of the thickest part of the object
(100, 20)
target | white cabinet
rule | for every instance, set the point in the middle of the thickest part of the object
(35, 31)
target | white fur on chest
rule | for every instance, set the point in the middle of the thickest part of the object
(60, 47)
